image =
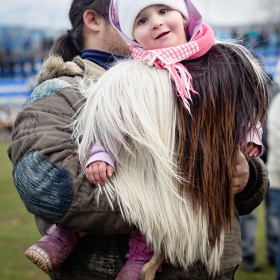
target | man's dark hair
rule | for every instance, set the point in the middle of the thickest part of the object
(71, 43)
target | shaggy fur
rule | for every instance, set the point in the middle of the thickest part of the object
(142, 116)
(175, 170)
(55, 67)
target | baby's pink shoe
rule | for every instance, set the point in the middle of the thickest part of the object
(52, 249)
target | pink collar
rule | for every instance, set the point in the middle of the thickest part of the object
(170, 58)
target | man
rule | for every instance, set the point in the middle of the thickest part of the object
(53, 183)
(47, 173)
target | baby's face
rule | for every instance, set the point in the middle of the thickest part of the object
(159, 26)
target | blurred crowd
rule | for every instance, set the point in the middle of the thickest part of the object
(262, 41)
(23, 50)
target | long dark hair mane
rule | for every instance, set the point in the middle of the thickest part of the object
(233, 97)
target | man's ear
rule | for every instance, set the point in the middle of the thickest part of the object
(92, 20)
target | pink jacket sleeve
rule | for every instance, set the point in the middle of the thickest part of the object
(255, 137)
(97, 153)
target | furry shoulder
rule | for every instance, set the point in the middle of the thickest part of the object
(55, 67)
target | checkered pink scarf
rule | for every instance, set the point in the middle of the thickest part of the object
(169, 58)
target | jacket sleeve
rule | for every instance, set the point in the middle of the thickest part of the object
(256, 188)
(97, 153)
(46, 168)
(255, 137)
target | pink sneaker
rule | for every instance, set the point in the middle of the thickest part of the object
(52, 249)
(131, 270)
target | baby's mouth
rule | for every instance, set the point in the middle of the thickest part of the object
(162, 34)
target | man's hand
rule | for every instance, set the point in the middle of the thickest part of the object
(98, 172)
(242, 176)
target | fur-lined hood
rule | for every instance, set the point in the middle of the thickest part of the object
(55, 67)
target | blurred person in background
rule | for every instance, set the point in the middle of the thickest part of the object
(273, 157)
(271, 220)
(248, 223)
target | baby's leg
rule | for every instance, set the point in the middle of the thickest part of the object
(139, 254)
(53, 249)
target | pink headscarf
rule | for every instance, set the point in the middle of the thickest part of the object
(200, 39)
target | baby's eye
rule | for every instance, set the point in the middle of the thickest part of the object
(163, 11)
(142, 21)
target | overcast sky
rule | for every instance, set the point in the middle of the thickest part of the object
(233, 12)
(54, 13)
(35, 13)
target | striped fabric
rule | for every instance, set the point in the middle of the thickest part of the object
(170, 58)
(166, 56)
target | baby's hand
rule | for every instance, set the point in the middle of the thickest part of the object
(251, 149)
(98, 172)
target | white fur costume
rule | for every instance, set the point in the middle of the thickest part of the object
(135, 105)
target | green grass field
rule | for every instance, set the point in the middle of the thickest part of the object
(18, 232)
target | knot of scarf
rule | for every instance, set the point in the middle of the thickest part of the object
(170, 58)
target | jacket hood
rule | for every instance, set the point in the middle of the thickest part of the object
(55, 67)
